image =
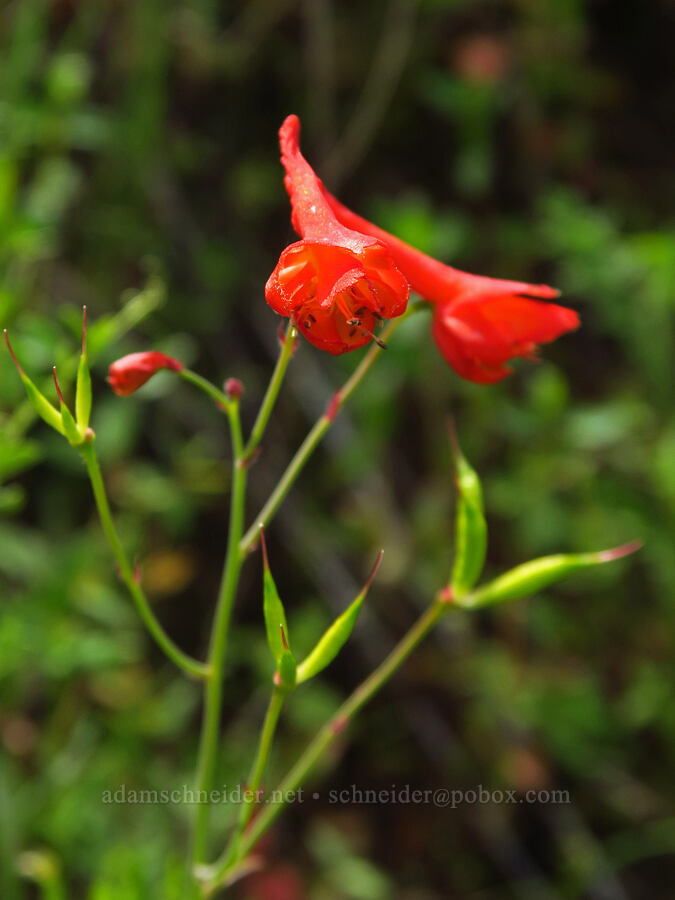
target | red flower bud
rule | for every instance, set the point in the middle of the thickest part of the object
(234, 388)
(130, 372)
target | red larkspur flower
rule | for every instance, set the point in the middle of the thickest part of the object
(479, 323)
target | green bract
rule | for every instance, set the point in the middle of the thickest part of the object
(275, 617)
(470, 527)
(83, 390)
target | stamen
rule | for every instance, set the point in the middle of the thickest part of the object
(344, 308)
(380, 343)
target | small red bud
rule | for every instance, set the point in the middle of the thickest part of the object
(446, 595)
(130, 372)
(234, 388)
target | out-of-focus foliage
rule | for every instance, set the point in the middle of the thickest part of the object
(520, 138)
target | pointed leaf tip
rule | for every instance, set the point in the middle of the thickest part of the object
(58, 387)
(263, 545)
(12, 353)
(84, 330)
(618, 552)
(373, 572)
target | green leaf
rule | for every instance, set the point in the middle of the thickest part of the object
(275, 617)
(83, 390)
(42, 406)
(470, 526)
(335, 637)
(331, 642)
(72, 432)
(273, 608)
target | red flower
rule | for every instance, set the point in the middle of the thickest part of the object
(336, 283)
(130, 372)
(479, 323)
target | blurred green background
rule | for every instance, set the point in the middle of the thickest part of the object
(139, 174)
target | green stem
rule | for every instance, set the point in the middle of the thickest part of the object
(187, 663)
(317, 432)
(257, 770)
(219, 634)
(272, 392)
(318, 746)
(209, 389)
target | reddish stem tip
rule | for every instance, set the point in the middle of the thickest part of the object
(339, 724)
(334, 406)
(11, 352)
(373, 572)
(84, 330)
(58, 388)
(263, 544)
(283, 637)
(618, 552)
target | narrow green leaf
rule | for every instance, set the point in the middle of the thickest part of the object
(536, 574)
(275, 617)
(273, 609)
(83, 389)
(470, 526)
(42, 406)
(336, 636)
(72, 432)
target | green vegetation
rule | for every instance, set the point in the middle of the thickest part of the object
(139, 175)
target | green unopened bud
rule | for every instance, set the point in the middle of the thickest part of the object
(39, 402)
(83, 389)
(532, 576)
(470, 527)
(335, 637)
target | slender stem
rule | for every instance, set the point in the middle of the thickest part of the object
(318, 746)
(209, 389)
(187, 663)
(317, 432)
(272, 392)
(257, 770)
(219, 634)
